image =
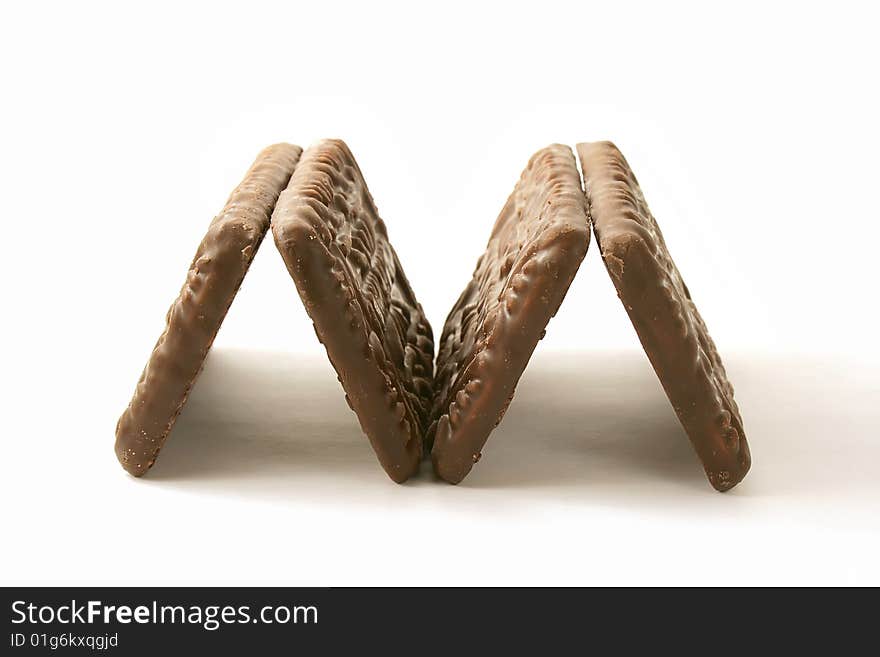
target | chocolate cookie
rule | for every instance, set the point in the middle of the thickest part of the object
(337, 251)
(193, 320)
(667, 322)
(536, 247)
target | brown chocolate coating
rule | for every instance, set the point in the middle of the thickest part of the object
(337, 251)
(668, 324)
(536, 247)
(216, 272)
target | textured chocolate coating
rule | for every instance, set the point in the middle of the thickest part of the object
(216, 272)
(536, 247)
(336, 249)
(667, 321)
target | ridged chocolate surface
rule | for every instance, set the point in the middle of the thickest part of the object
(337, 251)
(668, 324)
(536, 247)
(216, 272)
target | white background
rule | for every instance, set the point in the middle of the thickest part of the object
(754, 133)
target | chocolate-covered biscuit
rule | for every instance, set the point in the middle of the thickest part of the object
(216, 272)
(665, 318)
(536, 247)
(337, 251)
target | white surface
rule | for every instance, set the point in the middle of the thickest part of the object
(753, 132)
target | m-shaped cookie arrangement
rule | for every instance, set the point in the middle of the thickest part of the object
(349, 278)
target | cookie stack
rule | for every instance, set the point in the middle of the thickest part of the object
(337, 251)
